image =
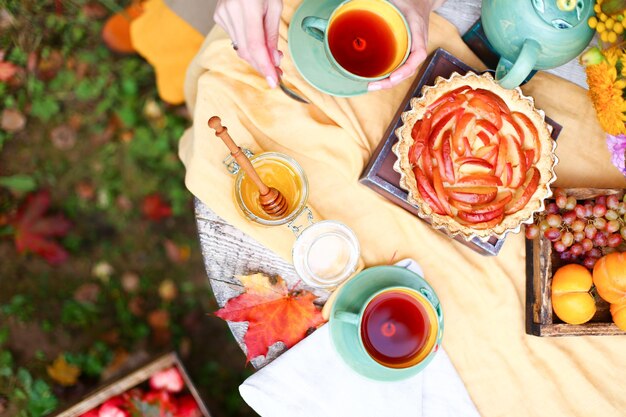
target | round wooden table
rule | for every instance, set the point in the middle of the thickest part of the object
(228, 252)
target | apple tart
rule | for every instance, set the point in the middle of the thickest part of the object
(475, 158)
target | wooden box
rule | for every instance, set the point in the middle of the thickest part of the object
(135, 378)
(541, 262)
(379, 174)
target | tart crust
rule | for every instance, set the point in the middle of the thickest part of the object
(516, 101)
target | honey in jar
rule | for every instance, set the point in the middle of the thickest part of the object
(278, 171)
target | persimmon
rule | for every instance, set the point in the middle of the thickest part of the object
(618, 312)
(571, 299)
(116, 30)
(609, 277)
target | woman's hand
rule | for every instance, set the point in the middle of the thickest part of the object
(416, 13)
(253, 28)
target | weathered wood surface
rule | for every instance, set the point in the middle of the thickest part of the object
(541, 320)
(228, 252)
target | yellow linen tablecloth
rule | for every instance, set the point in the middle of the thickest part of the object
(506, 371)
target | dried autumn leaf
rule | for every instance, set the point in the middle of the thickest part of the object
(154, 208)
(62, 372)
(85, 190)
(12, 120)
(123, 203)
(87, 293)
(135, 306)
(63, 137)
(33, 231)
(48, 67)
(31, 63)
(168, 290)
(159, 319)
(274, 314)
(7, 70)
(119, 360)
(130, 282)
(94, 10)
(102, 270)
(6, 19)
(116, 30)
(177, 254)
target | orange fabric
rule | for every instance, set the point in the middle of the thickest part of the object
(169, 44)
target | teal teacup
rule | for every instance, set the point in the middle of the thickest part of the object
(390, 325)
(364, 40)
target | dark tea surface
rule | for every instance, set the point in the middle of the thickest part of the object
(395, 327)
(362, 43)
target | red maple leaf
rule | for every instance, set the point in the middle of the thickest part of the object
(7, 70)
(154, 208)
(33, 231)
(273, 313)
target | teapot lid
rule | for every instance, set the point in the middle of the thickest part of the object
(563, 14)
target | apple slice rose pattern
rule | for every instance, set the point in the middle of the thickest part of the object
(475, 158)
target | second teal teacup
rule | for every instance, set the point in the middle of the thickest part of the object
(365, 40)
(387, 323)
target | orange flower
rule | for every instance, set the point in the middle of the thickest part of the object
(606, 95)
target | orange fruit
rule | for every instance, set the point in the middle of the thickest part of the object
(618, 311)
(609, 276)
(571, 300)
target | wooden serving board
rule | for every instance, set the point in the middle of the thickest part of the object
(379, 174)
(541, 263)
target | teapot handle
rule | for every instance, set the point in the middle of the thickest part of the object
(512, 75)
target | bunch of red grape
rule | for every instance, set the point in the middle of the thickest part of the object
(582, 231)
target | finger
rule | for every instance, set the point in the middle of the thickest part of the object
(256, 48)
(272, 25)
(379, 85)
(238, 36)
(220, 18)
(409, 67)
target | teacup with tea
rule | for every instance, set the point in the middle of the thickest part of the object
(364, 40)
(397, 327)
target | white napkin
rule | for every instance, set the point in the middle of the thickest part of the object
(311, 380)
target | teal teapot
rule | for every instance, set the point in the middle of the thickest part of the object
(535, 34)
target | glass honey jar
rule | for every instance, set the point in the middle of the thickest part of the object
(281, 172)
(325, 253)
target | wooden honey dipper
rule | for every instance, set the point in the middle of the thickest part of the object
(272, 201)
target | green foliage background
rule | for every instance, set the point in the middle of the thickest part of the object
(122, 147)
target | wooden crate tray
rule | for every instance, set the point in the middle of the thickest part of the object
(541, 262)
(131, 380)
(379, 174)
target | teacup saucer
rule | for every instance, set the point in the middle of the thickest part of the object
(310, 58)
(345, 336)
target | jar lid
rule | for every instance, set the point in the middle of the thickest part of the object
(326, 253)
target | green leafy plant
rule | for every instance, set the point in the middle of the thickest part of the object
(35, 394)
(23, 183)
(20, 306)
(79, 314)
(93, 362)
